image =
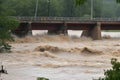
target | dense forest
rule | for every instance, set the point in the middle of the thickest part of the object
(63, 8)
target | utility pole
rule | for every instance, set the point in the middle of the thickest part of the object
(36, 9)
(48, 8)
(91, 12)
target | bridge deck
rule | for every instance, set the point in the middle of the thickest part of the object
(73, 23)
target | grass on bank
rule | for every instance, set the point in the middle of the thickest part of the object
(111, 30)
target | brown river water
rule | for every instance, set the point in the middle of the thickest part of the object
(59, 57)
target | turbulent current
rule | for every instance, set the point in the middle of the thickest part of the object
(59, 57)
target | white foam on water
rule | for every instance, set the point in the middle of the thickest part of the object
(78, 33)
(60, 58)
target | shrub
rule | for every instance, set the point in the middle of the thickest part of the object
(6, 25)
(42, 78)
(114, 73)
(4, 47)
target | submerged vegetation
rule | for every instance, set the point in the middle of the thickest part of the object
(42, 78)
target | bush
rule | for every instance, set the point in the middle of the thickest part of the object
(4, 47)
(6, 25)
(114, 73)
(42, 78)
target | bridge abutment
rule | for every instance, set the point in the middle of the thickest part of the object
(60, 30)
(23, 30)
(94, 33)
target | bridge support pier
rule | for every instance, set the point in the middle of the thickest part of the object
(60, 30)
(29, 33)
(94, 33)
(63, 29)
(52, 32)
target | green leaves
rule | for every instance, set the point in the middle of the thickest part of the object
(118, 1)
(114, 73)
(4, 47)
(79, 2)
(42, 78)
(6, 25)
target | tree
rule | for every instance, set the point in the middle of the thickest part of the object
(114, 73)
(79, 2)
(6, 25)
(21, 7)
(68, 8)
(118, 1)
(102, 8)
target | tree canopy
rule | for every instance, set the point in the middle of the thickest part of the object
(6, 25)
(79, 2)
(64, 8)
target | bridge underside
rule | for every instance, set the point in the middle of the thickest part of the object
(76, 26)
(90, 29)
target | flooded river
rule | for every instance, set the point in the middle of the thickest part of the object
(60, 57)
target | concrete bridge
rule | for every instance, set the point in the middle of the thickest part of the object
(60, 25)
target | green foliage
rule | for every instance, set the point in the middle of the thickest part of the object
(114, 73)
(42, 78)
(4, 47)
(6, 25)
(63, 8)
(79, 2)
(118, 1)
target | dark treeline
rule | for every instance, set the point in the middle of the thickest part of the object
(64, 8)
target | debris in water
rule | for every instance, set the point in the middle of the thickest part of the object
(89, 50)
(106, 37)
(3, 70)
(116, 53)
(48, 48)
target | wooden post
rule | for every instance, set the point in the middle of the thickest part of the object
(94, 33)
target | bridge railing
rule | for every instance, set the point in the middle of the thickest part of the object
(65, 19)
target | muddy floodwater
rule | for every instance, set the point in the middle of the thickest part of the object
(60, 57)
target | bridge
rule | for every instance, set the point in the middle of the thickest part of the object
(60, 25)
